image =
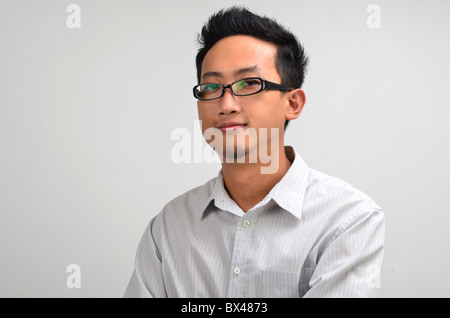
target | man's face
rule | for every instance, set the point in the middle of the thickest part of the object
(231, 59)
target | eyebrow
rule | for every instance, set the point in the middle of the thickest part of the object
(241, 71)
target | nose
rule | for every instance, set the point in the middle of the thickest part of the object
(228, 104)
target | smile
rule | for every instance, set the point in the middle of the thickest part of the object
(230, 127)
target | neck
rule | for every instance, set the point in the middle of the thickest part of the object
(249, 183)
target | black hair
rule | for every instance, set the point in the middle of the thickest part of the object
(291, 59)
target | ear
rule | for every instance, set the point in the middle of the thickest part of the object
(296, 99)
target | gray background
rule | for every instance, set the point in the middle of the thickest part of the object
(86, 117)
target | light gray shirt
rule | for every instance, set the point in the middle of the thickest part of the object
(313, 235)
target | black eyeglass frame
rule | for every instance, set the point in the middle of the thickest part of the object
(265, 85)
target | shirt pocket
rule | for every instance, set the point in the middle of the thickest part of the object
(278, 284)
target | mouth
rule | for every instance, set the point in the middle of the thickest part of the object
(230, 126)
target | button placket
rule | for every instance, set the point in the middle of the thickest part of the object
(241, 253)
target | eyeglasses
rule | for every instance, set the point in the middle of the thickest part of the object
(243, 87)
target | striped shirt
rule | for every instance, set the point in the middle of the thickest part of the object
(313, 235)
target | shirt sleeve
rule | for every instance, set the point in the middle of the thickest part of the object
(350, 264)
(146, 280)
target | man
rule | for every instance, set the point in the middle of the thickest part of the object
(288, 231)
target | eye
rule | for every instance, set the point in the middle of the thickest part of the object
(247, 86)
(251, 82)
(209, 87)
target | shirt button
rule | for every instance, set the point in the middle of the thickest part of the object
(246, 223)
(237, 270)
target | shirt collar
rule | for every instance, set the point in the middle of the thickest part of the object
(289, 193)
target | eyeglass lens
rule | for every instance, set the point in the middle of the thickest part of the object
(240, 88)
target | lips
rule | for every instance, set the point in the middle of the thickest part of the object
(230, 126)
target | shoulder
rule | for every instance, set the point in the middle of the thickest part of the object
(181, 216)
(187, 206)
(192, 199)
(338, 192)
(337, 204)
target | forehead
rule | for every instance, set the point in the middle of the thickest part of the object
(240, 52)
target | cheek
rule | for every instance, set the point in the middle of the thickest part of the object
(278, 112)
(268, 113)
(199, 110)
(205, 116)
(202, 115)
